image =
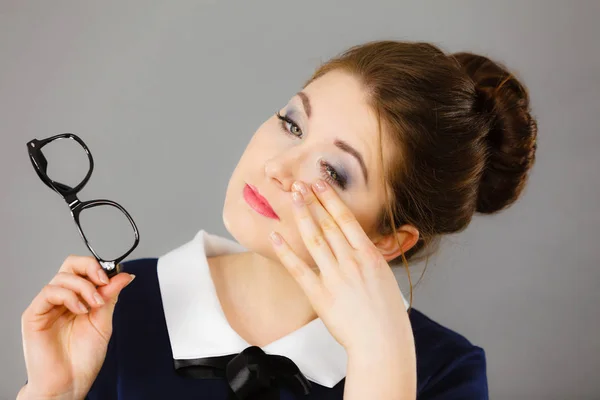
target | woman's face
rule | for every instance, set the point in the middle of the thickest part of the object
(329, 116)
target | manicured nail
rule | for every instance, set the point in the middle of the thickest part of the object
(132, 278)
(320, 186)
(82, 307)
(300, 187)
(102, 276)
(275, 238)
(98, 298)
(298, 199)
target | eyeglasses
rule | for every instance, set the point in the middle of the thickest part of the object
(77, 207)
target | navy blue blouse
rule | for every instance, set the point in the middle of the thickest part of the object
(139, 362)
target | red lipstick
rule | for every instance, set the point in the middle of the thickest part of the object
(258, 202)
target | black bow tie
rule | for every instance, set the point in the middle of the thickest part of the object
(252, 374)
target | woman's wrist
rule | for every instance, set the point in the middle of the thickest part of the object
(390, 358)
(382, 372)
(383, 348)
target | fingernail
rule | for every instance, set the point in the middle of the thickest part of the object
(298, 199)
(102, 276)
(82, 307)
(320, 186)
(275, 238)
(300, 187)
(98, 298)
(132, 278)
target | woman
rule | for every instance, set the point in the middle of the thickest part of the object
(387, 147)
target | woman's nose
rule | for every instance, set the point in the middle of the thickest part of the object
(285, 168)
(280, 173)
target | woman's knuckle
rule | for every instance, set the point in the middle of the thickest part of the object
(92, 262)
(291, 262)
(309, 200)
(350, 262)
(372, 255)
(59, 278)
(296, 269)
(71, 296)
(286, 258)
(346, 217)
(61, 275)
(47, 289)
(70, 258)
(318, 240)
(327, 224)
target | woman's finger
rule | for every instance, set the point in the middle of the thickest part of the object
(118, 282)
(80, 286)
(51, 296)
(85, 266)
(343, 216)
(304, 275)
(338, 243)
(312, 235)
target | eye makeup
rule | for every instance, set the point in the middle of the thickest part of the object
(337, 175)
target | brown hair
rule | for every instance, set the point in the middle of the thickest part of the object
(462, 126)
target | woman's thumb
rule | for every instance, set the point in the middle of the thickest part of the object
(110, 294)
(111, 291)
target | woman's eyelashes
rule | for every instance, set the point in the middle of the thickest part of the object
(330, 174)
(287, 120)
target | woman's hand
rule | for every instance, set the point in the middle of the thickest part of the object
(356, 295)
(64, 342)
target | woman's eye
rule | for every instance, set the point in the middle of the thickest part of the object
(331, 175)
(294, 128)
(328, 172)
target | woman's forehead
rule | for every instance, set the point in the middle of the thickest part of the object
(339, 96)
(339, 109)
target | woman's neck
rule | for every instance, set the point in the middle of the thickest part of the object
(260, 299)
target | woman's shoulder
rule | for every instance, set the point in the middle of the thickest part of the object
(426, 329)
(448, 364)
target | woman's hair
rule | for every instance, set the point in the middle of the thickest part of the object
(462, 128)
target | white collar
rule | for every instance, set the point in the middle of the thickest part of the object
(198, 328)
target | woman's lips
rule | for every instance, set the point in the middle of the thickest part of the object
(257, 202)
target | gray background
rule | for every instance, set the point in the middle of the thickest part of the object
(167, 94)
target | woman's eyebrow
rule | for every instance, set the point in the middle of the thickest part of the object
(337, 142)
(305, 102)
(353, 152)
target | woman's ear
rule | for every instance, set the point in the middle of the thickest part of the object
(407, 236)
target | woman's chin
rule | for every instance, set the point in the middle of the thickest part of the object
(248, 230)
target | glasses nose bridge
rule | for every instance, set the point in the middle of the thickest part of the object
(73, 202)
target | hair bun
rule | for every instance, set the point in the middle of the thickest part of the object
(511, 135)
